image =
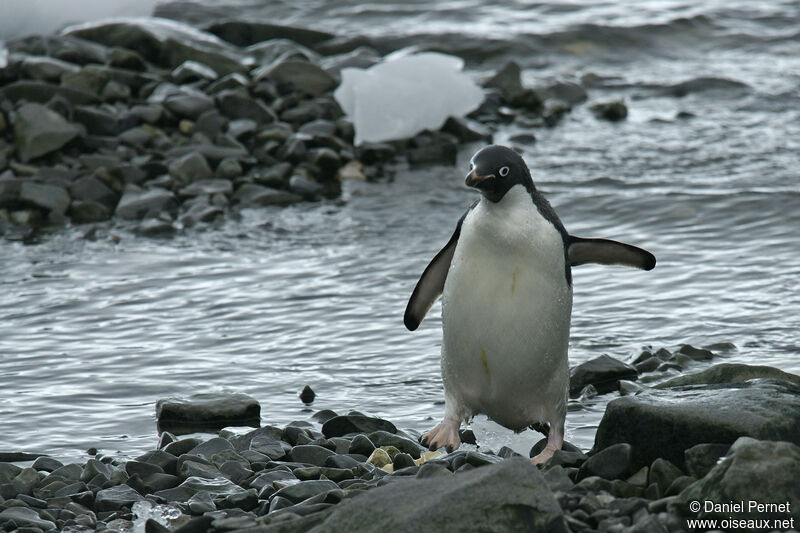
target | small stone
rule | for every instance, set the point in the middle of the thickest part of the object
(310, 454)
(613, 462)
(507, 79)
(189, 104)
(466, 130)
(155, 227)
(50, 197)
(115, 498)
(39, 131)
(356, 423)
(46, 464)
(189, 168)
(663, 473)
(402, 460)
(205, 187)
(250, 194)
(298, 492)
(361, 445)
(238, 104)
(700, 459)
(25, 517)
(379, 458)
(307, 395)
(603, 372)
(229, 168)
(305, 187)
(678, 485)
(136, 203)
(303, 75)
(190, 71)
(201, 502)
(612, 111)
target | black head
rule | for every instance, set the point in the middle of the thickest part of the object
(495, 169)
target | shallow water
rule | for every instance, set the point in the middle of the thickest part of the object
(92, 333)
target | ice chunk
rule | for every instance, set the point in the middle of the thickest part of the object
(405, 94)
(166, 515)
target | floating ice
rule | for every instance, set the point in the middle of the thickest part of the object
(166, 515)
(405, 94)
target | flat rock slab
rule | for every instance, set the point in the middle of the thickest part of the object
(664, 423)
(208, 410)
(509, 496)
(603, 372)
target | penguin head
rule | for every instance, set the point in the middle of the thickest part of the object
(495, 169)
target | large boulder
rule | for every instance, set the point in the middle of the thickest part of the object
(664, 423)
(163, 42)
(755, 473)
(509, 496)
(247, 32)
(39, 131)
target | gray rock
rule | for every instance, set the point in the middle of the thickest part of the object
(216, 487)
(729, 373)
(700, 459)
(127, 59)
(25, 517)
(207, 187)
(510, 496)
(603, 372)
(761, 471)
(90, 188)
(46, 464)
(228, 169)
(327, 160)
(238, 104)
(115, 498)
(166, 43)
(242, 127)
(566, 91)
(41, 92)
(141, 468)
(190, 71)
(302, 75)
(311, 454)
(188, 468)
(304, 187)
(250, 194)
(189, 104)
(663, 473)
(202, 502)
(467, 130)
(50, 197)
(235, 471)
(304, 490)
(384, 438)
(87, 211)
(211, 447)
(355, 423)
(39, 131)
(97, 121)
(612, 111)
(136, 203)
(361, 445)
(46, 68)
(664, 423)
(161, 458)
(208, 410)
(210, 152)
(613, 462)
(189, 168)
(507, 79)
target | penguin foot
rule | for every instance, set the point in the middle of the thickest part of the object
(445, 435)
(555, 439)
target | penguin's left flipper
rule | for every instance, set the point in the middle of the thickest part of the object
(607, 252)
(431, 283)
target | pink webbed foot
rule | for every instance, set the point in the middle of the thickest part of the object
(555, 439)
(445, 435)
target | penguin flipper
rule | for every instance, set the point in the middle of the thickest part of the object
(607, 252)
(431, 283)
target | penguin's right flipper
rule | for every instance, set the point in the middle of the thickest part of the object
(607, 252)
(431, 283)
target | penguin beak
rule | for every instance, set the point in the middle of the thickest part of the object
(475, 180)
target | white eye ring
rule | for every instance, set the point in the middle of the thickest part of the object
(504, 171)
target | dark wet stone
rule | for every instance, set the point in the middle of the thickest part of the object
(613, 462)
(211, 123)
(402, 460)
(164, 460)
(188, 468)
(207, 187)
(466, 130)
(191, 71)
(142, 469)
(228, 169)
(327, 160)
(251, 194)
(663, 473)
(41, 93)
(566, 91)
(200, 503)
(242, 128)
(210, 152)
(189, 104)
(219, 486)
(679, 484)
(127, 59)
(324, 415)
(438, 151)
(246, 33)
(603, 372)
(25, 517)
(69, 471)
(355, 423)
(97, 121)
(208, 410)
(505, 497)
(342, 461)
(306, 489)
(311, 454)
(302, 75)
(729, 373)
(238, 104)
(664, 423)
(49, 197)
(165, 43)
(46, 68)
(613, 111)
(231, 81)
(507, 79)
(734, 479)
(696, 354)
(648, 365)
(307, 395)
(46, 464)
(114, 498)
(704, 84)
(39, 131)
(361, 445)
(700, 459)
(189, 168)
(136, 203)
(384, 438)
(371, 153)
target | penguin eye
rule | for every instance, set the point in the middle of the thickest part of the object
(503, 171)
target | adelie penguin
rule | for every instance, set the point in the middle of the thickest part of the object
(506, 283)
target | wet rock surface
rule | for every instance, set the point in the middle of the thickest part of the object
(355, 472)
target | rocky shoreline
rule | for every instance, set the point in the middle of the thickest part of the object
(173, 127)
(727, 434)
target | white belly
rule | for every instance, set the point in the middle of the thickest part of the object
(506, 314)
